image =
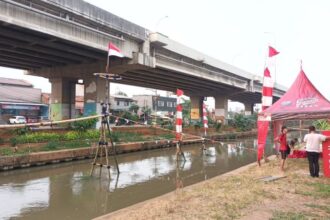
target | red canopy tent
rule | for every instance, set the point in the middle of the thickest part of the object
(301, 101)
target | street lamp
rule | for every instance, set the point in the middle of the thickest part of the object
(158, 22)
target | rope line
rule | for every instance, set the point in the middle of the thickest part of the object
(184, 134)
(51, 123)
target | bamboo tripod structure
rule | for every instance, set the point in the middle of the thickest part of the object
(103, 147)
(103, 140)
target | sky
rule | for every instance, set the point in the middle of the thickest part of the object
(237, 32)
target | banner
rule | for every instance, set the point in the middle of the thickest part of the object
(194, 114)
(262, 137)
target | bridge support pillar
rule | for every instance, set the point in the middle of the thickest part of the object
(63, 97)
(94, 95)
(248, 108)
(196, 108)
(221, 108)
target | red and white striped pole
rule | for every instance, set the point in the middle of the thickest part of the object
(205, 121)
(267, 90)
(266, 101)
(268, 84)
(179, 94)
(178, 135)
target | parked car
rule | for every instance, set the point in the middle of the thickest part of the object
(17, 120)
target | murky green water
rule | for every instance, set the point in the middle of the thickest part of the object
(66, 191)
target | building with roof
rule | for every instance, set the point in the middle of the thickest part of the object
(119, 103)
(159, 105)
(18, 97)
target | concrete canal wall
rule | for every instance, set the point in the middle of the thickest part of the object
(43, 158)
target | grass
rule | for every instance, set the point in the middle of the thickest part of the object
(12, 152)
(278, 215)
(75, 139)
(321, 190)
(124, 137)
(51, 146)
(314, 189)
(320, 207)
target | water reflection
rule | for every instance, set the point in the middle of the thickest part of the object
(20, 198)
(67, 191)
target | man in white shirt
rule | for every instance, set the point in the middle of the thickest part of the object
(313, 142)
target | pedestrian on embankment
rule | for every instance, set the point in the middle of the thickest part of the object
(281, 139)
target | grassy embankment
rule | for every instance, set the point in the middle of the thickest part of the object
(242, 195)
(69, 140)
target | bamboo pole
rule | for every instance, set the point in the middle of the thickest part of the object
(49, 123)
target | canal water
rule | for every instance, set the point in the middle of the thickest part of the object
(66, 191)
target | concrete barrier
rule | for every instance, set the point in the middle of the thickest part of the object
(43, 158)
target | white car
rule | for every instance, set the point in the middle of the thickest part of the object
(17, 120)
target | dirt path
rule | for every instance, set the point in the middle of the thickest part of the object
(241, 195)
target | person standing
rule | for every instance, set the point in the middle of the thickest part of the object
(283, 145)
(313, 142)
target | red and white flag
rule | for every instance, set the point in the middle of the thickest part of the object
(180, 100)
(113, 50)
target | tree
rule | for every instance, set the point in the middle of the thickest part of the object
(146, 110)
(186, 109)
(134, 108)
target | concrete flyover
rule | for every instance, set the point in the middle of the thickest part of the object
(66, 40)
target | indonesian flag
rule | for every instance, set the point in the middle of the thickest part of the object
(113, 50)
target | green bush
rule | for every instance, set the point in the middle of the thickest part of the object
(84, 125)
(217, 126)
(6, 152)
(198, 125)
(114, 136)
(322, 124)
(128, 115)
(50, 146)
(21, 131)
(243, 122)
(91, 134)
(35, 138)
(13, 141)
(55, 145)
(71, 135)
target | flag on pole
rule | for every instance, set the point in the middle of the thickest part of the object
(180, 100)
(266, 100)
(113, 50)
(272, 52)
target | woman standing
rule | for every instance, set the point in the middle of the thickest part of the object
(283, 145)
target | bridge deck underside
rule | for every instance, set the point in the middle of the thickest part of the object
(24, 49)
(193, 86)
